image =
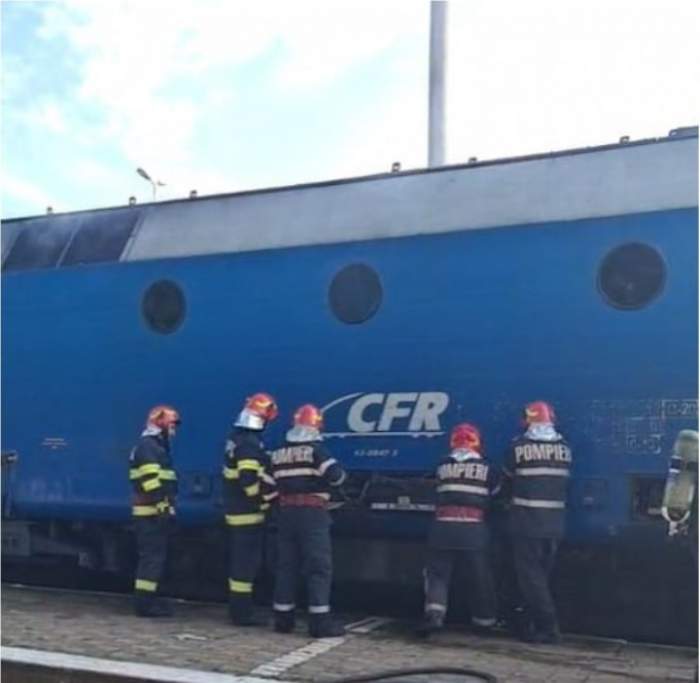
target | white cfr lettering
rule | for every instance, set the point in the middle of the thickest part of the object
(398, 411)
(393, 409)
(426, 415)
(356, 420)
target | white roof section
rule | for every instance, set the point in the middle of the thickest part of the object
(623, 179)
(637, 177)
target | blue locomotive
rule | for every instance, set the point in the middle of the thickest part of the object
(400, 302)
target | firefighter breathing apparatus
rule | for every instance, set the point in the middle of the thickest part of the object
(681, 482)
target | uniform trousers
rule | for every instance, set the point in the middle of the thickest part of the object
(534, 561)
(303, 549)
(245, 558)
(152, 543)
(438, 570)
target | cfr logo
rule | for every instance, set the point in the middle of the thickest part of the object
(395, 414)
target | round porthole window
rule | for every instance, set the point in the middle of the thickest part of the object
(355, 294)
(163, 306)
(631, 275)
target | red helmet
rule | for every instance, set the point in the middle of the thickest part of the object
(539, 412)
(262, 405)
(163, 417)
(308, 415)
(259, 409)
(465, 435)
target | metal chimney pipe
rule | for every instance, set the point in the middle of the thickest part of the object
(438, 58)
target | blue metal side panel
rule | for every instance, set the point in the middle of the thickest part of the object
(492, 318)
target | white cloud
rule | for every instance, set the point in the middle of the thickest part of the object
(536, 77)
(91, 172)
(15, 71)
(546, 75)
(48, 115)
(396, 130)
(136, 53)
(326, 39)
(522, 77)
(23, 192)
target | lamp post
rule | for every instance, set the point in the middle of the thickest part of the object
(436, 96)
(154, 183)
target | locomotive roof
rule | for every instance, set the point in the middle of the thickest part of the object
(627, 177)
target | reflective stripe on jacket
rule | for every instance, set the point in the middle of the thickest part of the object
(153, 479)
(538, 473)
(248, 487)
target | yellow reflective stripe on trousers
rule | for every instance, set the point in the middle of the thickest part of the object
(240, 586)
(151, 484)
(245, 520)
(168, 475)
(230, 473)
(144, 585)
(252, 490)
(144, 510)
(250, 464)
(148, 468)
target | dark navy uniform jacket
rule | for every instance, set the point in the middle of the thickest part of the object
(464, 486)
(152, 475)
(248, 486)
(537, 472)
(305, 468)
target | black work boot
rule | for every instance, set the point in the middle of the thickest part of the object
(240, 611)
(150, 606)
(284, 621)
(550, 635)
(163, 608)
(520, 625)
(545, 632)
(324, 626)
(432, 623)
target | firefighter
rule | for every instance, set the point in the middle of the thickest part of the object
(155, 486)
(304, 472)
(536, 471)
(464, 485)
(247, 496)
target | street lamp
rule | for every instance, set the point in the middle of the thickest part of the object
(154, 183)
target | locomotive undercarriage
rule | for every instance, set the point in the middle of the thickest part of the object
(637, 588)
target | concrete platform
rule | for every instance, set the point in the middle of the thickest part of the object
(40, 626)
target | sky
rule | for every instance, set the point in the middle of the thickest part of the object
(231, 95)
